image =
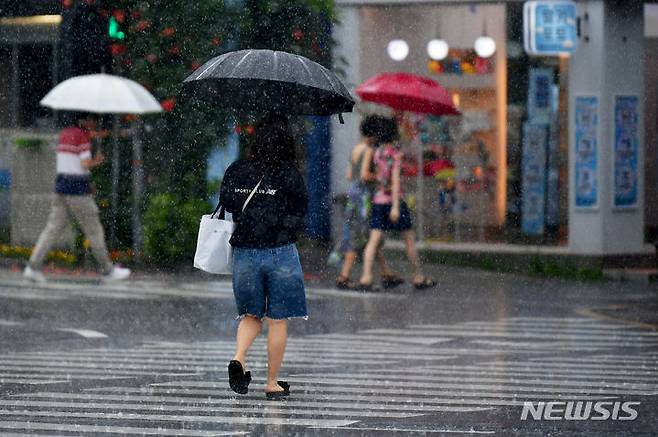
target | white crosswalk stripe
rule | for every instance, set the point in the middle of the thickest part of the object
(19, 288)
(358, 381)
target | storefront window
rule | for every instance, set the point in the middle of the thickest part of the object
(498, 172)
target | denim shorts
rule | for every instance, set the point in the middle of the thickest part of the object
(269, 282)
(381, 218)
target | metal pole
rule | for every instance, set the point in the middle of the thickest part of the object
(420, 190)
(114, 197)
(16, 86)
(138, 188)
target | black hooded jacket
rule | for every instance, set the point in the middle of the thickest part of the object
(275, 213)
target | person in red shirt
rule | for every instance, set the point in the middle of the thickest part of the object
(73, 199)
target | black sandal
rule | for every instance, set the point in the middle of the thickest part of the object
(238, 379)
(366, 287)
(344, 284)
(391, 281)
(425, 283)
(278, 395)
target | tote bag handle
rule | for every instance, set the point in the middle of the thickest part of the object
(222, 211)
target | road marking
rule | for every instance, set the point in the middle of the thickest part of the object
(238, 420)
(389, 338)
(364, 394)
(630, 361)
(306, 399)
(495, 327)
(309, 410)
(603, 339)
(415, 430)
(548, 365)
(594, 313)
(86, 333)
(10, 323)
(493, 387)
(521, 372)
(31, 381)
(108, 429)
(144, 290)
(541, 346)
(338, 379)
(534, 381)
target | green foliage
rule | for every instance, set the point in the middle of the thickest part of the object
(28, 143)
(102, 180)
(566, 270)
(488, 263)
(214, 186)
(300, 27)
(171, 225)
(165, 40)
(4, 235)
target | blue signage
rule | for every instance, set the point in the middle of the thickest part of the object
(626, 151)
(533, 197)
(553, 176)
(587, 121)
(540, 95)
(550, 27)
(5, 180)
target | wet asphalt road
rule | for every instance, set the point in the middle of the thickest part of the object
(148, 357)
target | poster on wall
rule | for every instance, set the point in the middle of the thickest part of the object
(553, 176)
(587, 121)
(626, 151)
(533, 197)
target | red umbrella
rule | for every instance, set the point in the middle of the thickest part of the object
(407, 92)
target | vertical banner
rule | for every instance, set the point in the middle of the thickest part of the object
(626, 151)
(553, 164)
(535, 139)
(318, 174)
(540, 95)
(586, 161)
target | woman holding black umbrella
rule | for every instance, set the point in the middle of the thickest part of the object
(268, 282)
(267, 275)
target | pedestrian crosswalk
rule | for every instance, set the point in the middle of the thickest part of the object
(19, 288)
(373, 381)
(16, 287)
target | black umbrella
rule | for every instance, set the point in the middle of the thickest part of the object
(269, 81)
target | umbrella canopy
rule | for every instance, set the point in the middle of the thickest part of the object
(407, 92)
(101, 94)
(269, 81)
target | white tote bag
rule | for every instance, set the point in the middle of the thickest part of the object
(214, 253)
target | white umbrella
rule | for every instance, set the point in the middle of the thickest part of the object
(109, 94)
(101, 94)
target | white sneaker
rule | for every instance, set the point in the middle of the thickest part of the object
(33, 275)
(117, 274)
